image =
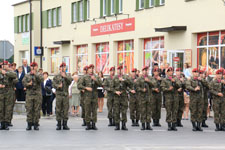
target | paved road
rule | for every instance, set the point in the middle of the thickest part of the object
(108, 139)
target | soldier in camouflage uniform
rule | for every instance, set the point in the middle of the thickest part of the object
(82, 95)
(143, 89)
(107, 84)
(61, 83)
(195, 87)
(120, 84)
(217, 90)
(156, 101)
(6, 78)
(134, 102)
(90, 83)
(32, 82)
(171, 103)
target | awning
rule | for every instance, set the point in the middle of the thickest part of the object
(62, 42)
(172, 28)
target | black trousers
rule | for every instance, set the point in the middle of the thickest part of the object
(20, 95)
(46, 105)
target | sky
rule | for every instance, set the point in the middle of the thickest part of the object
(7, 20)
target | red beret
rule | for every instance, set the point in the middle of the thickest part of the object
(63, 64)
(156, 70)
(85, 68)
(178, 69)
(195, 70)
(5, 62)
(33, 64)
(169, 69)
(219, 71)
(112, 69)
(120, 67)
(201, 71)
(223, 72)
(134, 70)
(145, 68)
(91, 66)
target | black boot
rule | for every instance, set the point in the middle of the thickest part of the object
(36, 126)
(137, 124)
(179, 123)
(169, 126)
(133, 123)
(84, 123)
(199, 126)
(59, 125)
(2, 126)
(223, 127)
(88, 126)
(94, 126)
(204, 125)
(148, 126)
(29, 126)
(10, 124)
(143, 126)
(217, 127)
(194, 126)
(124, 126)
(117, 126)
(174, 127)
(113, 123)
(6, 126)
(154, 123)
(65, 127)
(110, 122)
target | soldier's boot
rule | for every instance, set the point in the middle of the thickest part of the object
(84, 123)
(194, 126)
(137, 124)
(204, 125)
(94, 126)
(65, 127)
(143, 126)
(124, 126)
(217, 127)
(157, 122)
(110, 122)
(169, 126)
(199, 126)
(223, 127)
(113, 123)
(10, 124)
(117, 126)
(36, 126)
(29, 126)
(148, 126)
(6, 126)
(174, 127)
(88, 126)
(133, 123)
(2, 126)
(59, 125)
(179, 124)
(154, 123)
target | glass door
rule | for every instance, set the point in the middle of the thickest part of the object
(176, 59)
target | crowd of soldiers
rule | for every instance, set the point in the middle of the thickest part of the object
(139, 92)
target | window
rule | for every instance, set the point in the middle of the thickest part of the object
(211, 50)
(141, 4)
(104, 7)
(125, 55)
(55, 60)
(81, 11)
(162, 2)
(102, 58)
(54, 17)
(112, 7)
(151, 3)
(74, 12)
(25, 55)
(59, 16)
(88, 9)
(20, 24)
(120, 6)
(82, 57)
(153, 51)
(28, 22)
(24, 23)
(49, 18)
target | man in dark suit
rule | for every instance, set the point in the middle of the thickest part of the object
(20, 95)
(26, 68)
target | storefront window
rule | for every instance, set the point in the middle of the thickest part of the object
(82, 58)
(125, 55)
(102, 58)
(55, 60)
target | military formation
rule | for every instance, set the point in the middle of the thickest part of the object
(141, 93)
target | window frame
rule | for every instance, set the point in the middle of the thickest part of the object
(54, 19)
(162, 2)
(151, 3)
(49, 12)
(120, 6)
(78, 55)
(140, 2)
(104, 12)
(75, 19)
(81, 10)
(59, 16)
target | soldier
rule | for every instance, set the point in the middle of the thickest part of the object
(121, 85)
(107, 84)
(171, 103)
(195, 87)
(217, 90)
(134, 104)
(180, 86)
(6, 79)
(32, 83)
(156, 101)
(61, 83)
(205, 84)
(89, 83)
(143, 89)
(82, 95)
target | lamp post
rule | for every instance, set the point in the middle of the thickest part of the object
(30, 1)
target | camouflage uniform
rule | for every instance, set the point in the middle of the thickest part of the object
(107, 84)
(33, 98)
(90, 99)
(13, 97)
(218, 104)
(62, 99)
(6, 95)
(205, 84)
(196, 102)
(82, 101)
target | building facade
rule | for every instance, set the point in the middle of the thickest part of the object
(132, 33)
